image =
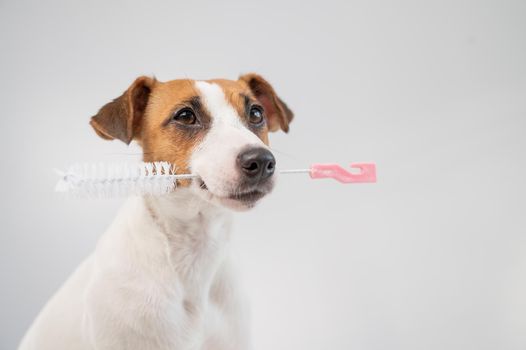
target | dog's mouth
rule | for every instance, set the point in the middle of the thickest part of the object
(248, 197)
(238, 198)
(202, 185)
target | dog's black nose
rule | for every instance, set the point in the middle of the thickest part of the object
(257, 164)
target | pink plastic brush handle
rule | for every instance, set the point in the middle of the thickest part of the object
(367, 172)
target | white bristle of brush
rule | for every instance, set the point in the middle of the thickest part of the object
(117, 180)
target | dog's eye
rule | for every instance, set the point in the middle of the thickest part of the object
(256, 115)
(185, 116)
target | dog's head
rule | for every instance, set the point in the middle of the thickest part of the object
(217, 129)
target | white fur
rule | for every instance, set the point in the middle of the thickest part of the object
(161, 276)
(214, 160)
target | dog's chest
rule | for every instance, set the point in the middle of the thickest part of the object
(171, 282)
(206, 283)
(206, 320)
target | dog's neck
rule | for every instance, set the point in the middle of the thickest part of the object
(196, 232)
(183, 213)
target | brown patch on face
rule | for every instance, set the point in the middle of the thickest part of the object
(165, 140)
(241, 98)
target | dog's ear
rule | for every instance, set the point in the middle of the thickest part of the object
(278, 114)
(121, 118)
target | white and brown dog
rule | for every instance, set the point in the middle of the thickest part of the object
(161, 277)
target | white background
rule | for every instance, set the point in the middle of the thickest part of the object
(431, 257)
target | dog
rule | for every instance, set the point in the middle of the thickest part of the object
(161, 277)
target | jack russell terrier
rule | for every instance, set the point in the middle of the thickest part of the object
(161, 277)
